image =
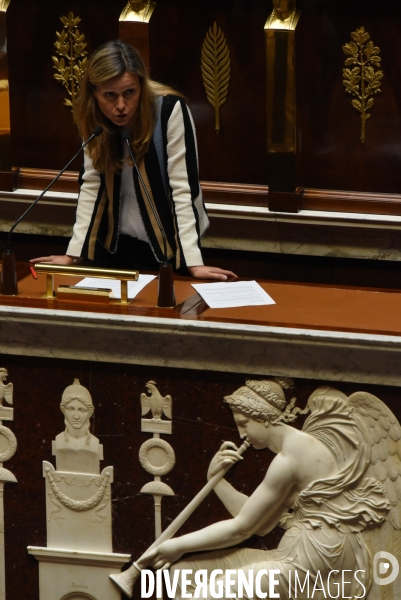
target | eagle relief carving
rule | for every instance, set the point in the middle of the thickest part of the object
(158, 406)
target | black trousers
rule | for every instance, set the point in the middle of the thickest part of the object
(131, 254)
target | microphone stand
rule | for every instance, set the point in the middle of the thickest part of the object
(9, 286)
(166, 293)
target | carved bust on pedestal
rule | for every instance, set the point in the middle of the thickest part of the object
(76, 449)
(284, 15)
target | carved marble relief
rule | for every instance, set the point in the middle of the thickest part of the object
(8, 447)
(334, 487)
(156, 455)
(78, 507)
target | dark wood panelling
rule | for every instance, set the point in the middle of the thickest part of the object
(330, 153)
(256, 265)
(44, 135)
(39, 179)
(239, 153)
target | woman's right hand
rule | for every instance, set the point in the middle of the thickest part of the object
(225, 457)
(64, 259)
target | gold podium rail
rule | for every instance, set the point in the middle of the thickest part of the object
(50, 270)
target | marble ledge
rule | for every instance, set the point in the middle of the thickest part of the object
(307, 217)
(200, 345)
(234, 227)
(77, 557)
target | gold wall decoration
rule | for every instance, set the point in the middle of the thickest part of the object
(362, 77)
(284, 15)
(138, 10)
(216, 70)
(7, 178)
(71, 46)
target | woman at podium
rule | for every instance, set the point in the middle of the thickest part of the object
(116, 225)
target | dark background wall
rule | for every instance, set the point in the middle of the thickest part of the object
(330, 154)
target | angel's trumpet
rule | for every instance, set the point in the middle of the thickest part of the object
(127, 579)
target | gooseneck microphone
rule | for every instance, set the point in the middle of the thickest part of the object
(94, 134)
(9, 274)
(166, 296)
(126, 137)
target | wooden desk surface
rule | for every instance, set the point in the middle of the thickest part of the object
(305, 306)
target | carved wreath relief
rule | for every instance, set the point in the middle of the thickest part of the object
(6, 414)
(9, 448)
(156, 456)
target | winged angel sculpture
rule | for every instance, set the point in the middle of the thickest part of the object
(335, 487)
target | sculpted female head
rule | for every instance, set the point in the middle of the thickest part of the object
(263, 401)
(77, 408)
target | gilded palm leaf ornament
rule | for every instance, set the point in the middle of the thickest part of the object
(216, 70)
(362, 78)
(71, 47)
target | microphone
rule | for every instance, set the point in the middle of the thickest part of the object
(8, 273)
(166, 295)
(126, 136)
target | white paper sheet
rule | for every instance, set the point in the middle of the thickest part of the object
(134, 287)
(233, 294)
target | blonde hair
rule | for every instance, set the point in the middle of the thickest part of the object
(114, 59)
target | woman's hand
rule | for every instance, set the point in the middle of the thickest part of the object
(203, 272)
(225, 457)
(64, 259)
(167, 553)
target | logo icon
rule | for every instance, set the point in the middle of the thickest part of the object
(382, 563)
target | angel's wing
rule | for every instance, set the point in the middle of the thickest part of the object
(384, 433)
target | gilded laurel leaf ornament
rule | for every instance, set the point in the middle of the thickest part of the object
(362, 76)
(215, 70)
(71, 47)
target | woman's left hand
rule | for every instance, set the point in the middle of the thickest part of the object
(203, 272)
(167, 553)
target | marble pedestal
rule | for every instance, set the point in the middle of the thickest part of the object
(79, 558)
(77, 575)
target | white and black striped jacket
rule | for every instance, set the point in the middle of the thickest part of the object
(170, 172)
